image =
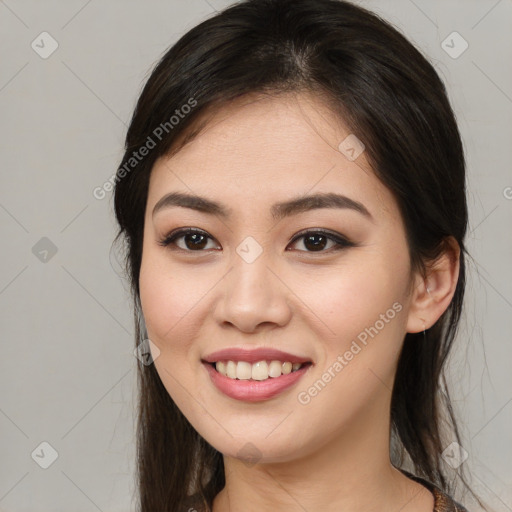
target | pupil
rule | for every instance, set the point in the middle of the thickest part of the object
(315, 246)
(196, 240)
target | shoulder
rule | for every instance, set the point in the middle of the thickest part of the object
(445, 503)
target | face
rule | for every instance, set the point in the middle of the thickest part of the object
(325, 281)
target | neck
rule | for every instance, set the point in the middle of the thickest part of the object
(351, 472)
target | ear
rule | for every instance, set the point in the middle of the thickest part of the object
(432, 294)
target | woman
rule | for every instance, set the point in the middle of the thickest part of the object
(292, 198)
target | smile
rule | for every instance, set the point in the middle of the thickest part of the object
(249, 389)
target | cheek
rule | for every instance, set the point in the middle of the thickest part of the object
(362, 308)
(159, 306)
(362, 312)
(169, 298)
(353, 298)
(169, 302)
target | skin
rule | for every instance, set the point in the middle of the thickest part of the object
(332, 453)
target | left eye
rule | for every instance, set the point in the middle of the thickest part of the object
(196, 240)
(317, 240)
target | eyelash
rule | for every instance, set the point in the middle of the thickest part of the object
(341, 242)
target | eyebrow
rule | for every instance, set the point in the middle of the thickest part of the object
(278, 211)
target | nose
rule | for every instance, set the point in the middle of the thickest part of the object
(253, 297)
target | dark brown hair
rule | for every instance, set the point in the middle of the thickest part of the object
(391, 97)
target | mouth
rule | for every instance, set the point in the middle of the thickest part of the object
(254, 375)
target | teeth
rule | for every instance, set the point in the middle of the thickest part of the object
(274, 369)
(259, 371)
(243, 370)
(262, 370)
(231, 370)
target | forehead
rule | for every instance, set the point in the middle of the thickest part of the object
(256, 124)
(261, 148)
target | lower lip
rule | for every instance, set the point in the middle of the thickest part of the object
(254, 390)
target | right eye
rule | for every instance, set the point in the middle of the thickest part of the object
(194, 240)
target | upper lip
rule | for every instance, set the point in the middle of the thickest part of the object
(253, 355)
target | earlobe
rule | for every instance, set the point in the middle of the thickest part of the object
(434, 292)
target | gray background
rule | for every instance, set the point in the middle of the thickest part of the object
(67, 369)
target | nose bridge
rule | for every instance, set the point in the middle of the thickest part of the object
(252, 294)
